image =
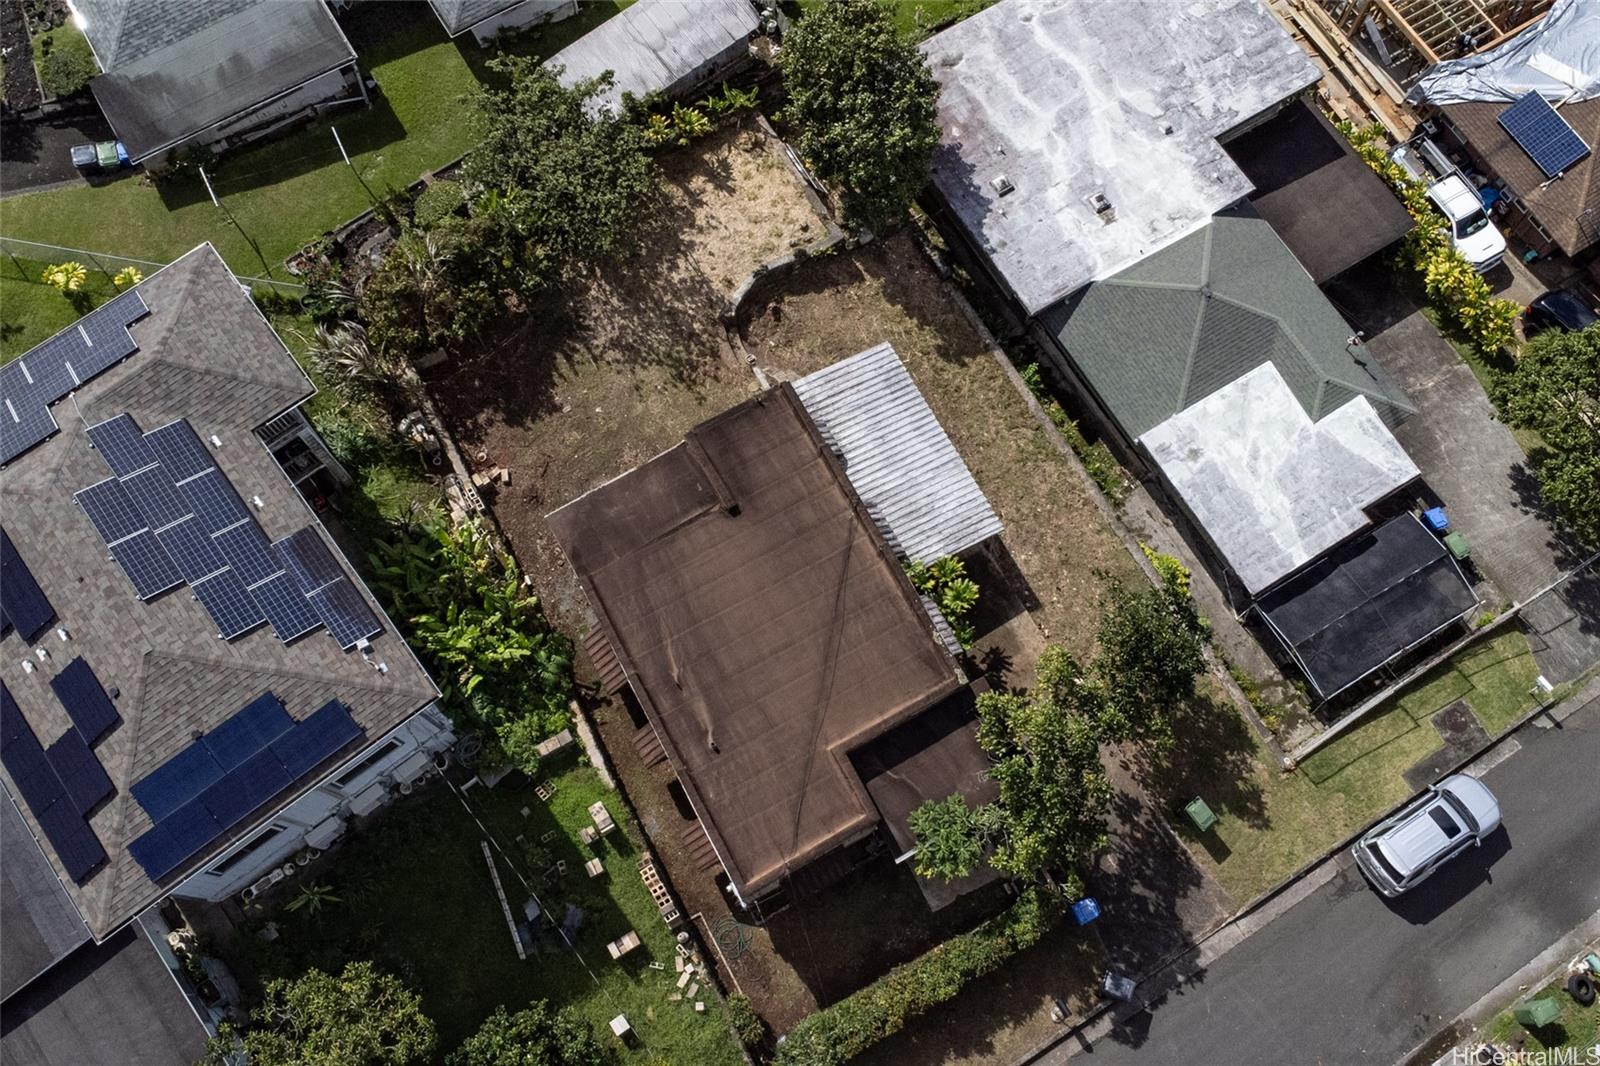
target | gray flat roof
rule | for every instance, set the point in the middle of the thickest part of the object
(1272, 488)
(897, 456)
(109, 1003)
(172, 76)
(660, 45)
(206, 354)
(1071, 98)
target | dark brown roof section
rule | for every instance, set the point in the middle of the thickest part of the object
(1318, 195)
(1568, 207)
(764, 625)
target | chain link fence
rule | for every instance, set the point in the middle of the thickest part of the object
(18, 250)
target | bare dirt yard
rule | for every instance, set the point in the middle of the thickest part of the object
(836, 305)
(630, 359)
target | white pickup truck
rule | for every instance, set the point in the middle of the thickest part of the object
(1472, 232)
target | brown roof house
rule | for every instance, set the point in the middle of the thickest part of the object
(752, 594)
(195, 686)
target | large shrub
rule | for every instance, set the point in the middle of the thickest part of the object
(861, 98)
(361, 1017)
(846, 1029)
(538, 1035)
(502, 667)
(66, 70)
(1555, 390)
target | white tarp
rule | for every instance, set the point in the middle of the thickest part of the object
(1559, 58)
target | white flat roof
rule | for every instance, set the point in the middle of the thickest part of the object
(898, 459)
(1272, 488)
(1069, 98)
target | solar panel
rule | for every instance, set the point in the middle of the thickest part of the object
(121, 444)
(191, 550)
(345, 613)
(259, 778)
(72, 839)
(180, 450)
(22, 425)
(109, 508)
(171, 841)
(154, 497)
(1548, 139)
(225, 598)
(176, 781)
(306, 557)
(35, 779)
(11, 721)
(247, 731)
(80, 692)
(286, 607)
(146, 564)
(214, 502)
(80, 772)
(316, 738)
(249, 553)
(22, 601)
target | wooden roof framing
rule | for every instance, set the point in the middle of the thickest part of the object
(1441, 29)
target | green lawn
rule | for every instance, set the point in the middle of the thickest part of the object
(416, 897)
(1578, 1027)
(289, 190)
(65, 37)
(1271, 823)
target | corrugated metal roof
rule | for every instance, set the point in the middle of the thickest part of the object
(660, 45)
(897, 456)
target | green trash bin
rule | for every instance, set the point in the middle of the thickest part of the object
(1458, 546)
(1200, 814)
(1537, 1013)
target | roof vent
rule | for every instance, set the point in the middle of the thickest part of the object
(1001, 184)
(42, 652)
(62, 635)
(260, 504)
(1103, 208)
(27, 666)
(216, 441)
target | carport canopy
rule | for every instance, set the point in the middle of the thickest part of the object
(1367, 602)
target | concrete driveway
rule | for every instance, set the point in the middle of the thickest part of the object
(1345, 976)
(1471, 462)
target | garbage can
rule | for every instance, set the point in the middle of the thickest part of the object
(1537, 1012)
(1200, 814)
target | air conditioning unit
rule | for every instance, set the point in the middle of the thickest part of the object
(322, 835)
(368, 799)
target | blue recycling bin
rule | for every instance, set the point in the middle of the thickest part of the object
(1086, 910)
(1435, 519)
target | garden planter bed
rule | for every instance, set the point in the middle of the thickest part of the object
(22, 92)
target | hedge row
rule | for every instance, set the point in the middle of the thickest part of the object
(852, 1025)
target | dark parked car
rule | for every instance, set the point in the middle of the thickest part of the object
(94, 158)
(1559, 309)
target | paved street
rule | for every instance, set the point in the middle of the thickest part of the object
(1347, 977)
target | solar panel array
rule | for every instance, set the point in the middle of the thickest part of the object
(23, 604)
(61, 787)
(217, 781)
(169, 515)
(1548, 138)
(84, 699)
(49, 371)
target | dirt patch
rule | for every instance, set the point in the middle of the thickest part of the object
(617, 370)
(834, 306)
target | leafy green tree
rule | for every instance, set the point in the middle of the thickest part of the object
(65, 70)
(362, 1017)
(428, 292)
(538, 1035)
(1151, 652)
(862, 100)
(581, 174)
(1555, 390)
(947, 841)
(1053, 789)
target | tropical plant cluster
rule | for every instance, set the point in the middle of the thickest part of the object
(1554, 389)
(1451, 284)
(838, 1033)
(687, 123)
(861, 99)
(945, 582)
(365, 1017)
(503, 669)
(1049, 815)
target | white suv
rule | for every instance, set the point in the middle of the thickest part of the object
(1403, 849)
(1473, 235)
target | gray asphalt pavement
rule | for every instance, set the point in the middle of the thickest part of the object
(1345, 976)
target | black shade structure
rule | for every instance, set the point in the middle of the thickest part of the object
(1367, 602)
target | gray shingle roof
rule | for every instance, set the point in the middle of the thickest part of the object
(1199, 314)
(38, 923)
(174, 69)
(897, 456)
(206, 354)
(458, 16)
(1069, 98)
(661, 45)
